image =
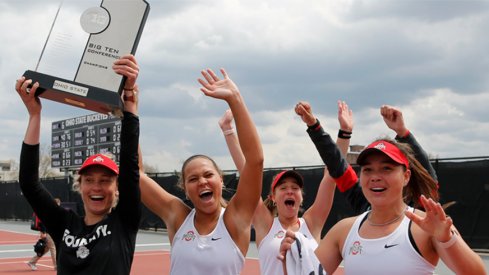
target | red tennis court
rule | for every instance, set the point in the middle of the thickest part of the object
(145, 262)
(152, 254)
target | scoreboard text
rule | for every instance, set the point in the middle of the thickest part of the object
(74, 139)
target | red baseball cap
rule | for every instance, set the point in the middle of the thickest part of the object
(287, 174)
(385, 147)
(102, 160)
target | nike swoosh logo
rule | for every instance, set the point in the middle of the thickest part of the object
(215, 239)
(389, 246)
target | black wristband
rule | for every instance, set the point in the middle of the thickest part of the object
(315, 126)
(344, 134)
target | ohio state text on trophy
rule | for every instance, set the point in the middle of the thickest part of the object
(87, 36)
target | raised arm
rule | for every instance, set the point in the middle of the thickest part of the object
(129, 195)
(168, 207)
(317, 214)
(262, 218)
(226, 125)
(38, 197)
(345, 177)
(240, 210)
(394, 119)
(34, 107)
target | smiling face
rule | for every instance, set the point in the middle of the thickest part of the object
(203, 184)
(383, 180)
(98, 189)
(288, 197)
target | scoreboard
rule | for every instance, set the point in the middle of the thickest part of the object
(74, 139)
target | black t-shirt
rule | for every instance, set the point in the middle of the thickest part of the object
(106, 247)
(103, 248)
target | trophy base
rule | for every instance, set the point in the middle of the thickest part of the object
(77, 94)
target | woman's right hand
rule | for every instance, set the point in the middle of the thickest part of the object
(28, 95)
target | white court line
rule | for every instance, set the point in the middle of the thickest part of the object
(25, 262)
(17, 242)
(30, 250)
(142, 254)
(151, 244)
(16, 250)
(17, 232)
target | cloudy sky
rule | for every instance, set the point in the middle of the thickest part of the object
(428, 58)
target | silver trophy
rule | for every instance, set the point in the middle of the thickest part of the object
(86, 37)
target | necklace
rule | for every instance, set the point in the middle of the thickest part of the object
(387, 222)
(298, 222)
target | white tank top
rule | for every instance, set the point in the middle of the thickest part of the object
(269, 247)
(391, 254)
(215, 253)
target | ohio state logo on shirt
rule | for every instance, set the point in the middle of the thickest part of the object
(280, 234)
(356, 248)
(82, 252)
(189, 236)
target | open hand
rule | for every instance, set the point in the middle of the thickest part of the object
(345, 116)
(435, 223)
(218, 88)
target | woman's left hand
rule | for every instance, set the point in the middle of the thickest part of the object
(127, 66)
(217, 88)
(435, 223)
(345, 116)
(286, 244)
(226, 121)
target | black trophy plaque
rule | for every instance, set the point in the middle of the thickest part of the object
(87, 36)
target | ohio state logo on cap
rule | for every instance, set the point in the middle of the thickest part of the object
(380, 146)
(98, 159)
(389, 149)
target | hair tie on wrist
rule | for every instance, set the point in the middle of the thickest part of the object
(344, 134)
(228, 132)
(450, 242)
(129, 98)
